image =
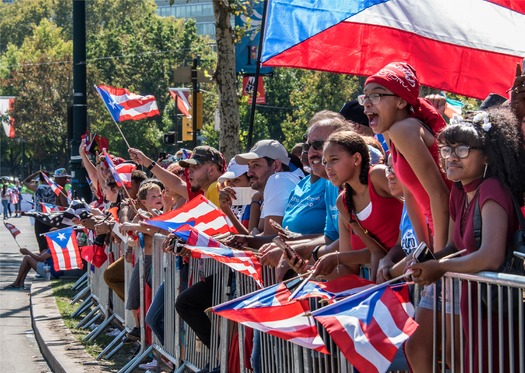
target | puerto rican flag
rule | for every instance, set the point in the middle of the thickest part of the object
(369, 327)
(12, 229)
(8, 122)
(335, 289)
(269, 311)
(64, 249)
(182, 98)
(124, 105)
(203, 246)
(124, 171)
(57, 189)
(47, 207)
(469, 47)
(198, 212)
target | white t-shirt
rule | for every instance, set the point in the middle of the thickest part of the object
(276, 193)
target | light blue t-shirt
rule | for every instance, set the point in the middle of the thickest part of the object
(408, 237)
(331, 229)
(306, 209)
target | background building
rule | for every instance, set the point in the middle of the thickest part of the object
(200, 10)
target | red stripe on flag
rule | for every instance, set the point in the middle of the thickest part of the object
(516, 5)
(364, 49)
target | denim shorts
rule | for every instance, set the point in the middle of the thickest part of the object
(427, 297)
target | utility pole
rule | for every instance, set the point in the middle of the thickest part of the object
(79, 109)
(195, 90)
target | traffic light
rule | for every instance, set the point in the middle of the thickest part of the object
(199, 109)
(170, 138)
(187, 129)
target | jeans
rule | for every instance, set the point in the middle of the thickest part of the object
(155, 315)
(5, 206)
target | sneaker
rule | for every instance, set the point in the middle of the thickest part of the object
(38, 277)
(152, 365)
(132, 336)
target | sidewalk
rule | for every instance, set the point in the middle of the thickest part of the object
(58, 346)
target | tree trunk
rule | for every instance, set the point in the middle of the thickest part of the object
(226, 81)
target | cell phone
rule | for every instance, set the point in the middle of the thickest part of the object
(287, 249)
(162, 155)
(276, 226)
(422, 253)
(519, 254)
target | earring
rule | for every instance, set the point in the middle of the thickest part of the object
(485, 171)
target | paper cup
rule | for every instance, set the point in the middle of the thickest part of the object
(243, 196)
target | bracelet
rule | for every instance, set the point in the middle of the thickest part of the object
(315, 252)
(152, 164)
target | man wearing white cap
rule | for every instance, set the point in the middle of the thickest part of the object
(269, 171)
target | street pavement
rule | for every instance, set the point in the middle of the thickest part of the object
(19, 350)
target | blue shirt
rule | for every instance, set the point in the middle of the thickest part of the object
(331, 229)
(306, 210)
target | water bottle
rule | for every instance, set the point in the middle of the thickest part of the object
(47, 272)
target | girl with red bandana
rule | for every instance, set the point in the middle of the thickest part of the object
(410, 124)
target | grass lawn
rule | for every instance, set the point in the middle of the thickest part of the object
(64, 295)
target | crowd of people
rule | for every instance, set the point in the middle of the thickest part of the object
(349, 204)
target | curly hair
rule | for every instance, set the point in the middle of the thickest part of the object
(499, 138)
(352, 143)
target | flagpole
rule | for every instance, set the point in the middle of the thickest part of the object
(114, 121)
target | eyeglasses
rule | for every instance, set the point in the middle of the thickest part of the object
(317, 145)
(461, 151)
(389, 170)
(374, 98)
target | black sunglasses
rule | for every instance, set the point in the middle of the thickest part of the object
(317, 145)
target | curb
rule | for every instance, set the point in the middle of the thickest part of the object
(59, 347)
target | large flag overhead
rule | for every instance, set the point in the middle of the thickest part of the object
(269, 311)
(469, 47)
(64, 249)
(8, 122)
(369, 327)
(124, 105)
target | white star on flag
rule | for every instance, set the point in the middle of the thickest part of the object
(61, 236)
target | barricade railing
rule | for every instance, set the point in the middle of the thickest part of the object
(503, 348)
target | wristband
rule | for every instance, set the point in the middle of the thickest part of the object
(315, 252)
(152, 164)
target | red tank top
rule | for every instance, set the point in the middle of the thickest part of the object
(383, 221)
(407, 176)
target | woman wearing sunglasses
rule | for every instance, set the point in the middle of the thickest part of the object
(483, 158)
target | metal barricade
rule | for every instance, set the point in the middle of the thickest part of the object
(502, 349)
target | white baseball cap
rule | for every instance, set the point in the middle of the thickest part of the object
(272, 149)
(233, 171)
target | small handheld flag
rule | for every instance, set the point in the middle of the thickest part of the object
(64, 249)
(57, 189)
(124, 105)
(112, 168)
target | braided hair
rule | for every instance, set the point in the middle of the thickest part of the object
(496, 133)
(352, 143)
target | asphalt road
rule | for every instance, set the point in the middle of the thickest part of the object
(19, 350)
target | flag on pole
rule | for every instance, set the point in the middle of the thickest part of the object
(200, 213)
(451, 52)
(112, 168)
(124, 171)
(124, 105)
(12, 229)
(269, 311)
(368, 327)
(181, 97)
(203, 246)
(8, 122)
(57, 189)
(64, 249)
